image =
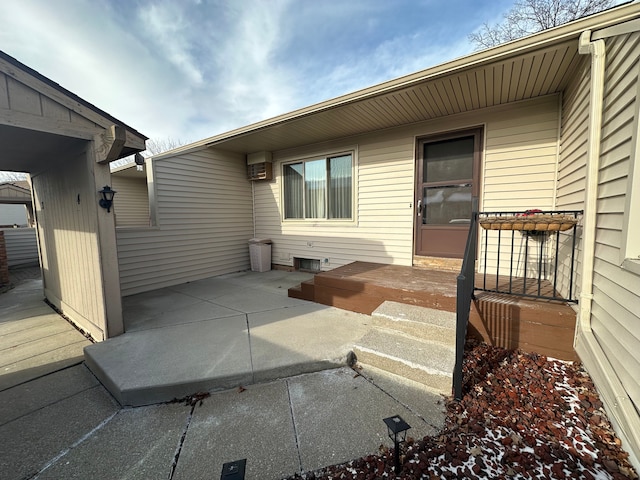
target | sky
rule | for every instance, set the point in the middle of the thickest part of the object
(190, 69)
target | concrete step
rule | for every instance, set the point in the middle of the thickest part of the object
(428, 363)
(418, 322)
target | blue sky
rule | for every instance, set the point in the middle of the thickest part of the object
(189, 69)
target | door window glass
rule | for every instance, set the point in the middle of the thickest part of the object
(448, 205)
(448, 160)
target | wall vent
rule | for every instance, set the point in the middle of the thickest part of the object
(311, 265)
(259, 166)
(260, 171)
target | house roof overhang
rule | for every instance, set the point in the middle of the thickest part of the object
(537, 65)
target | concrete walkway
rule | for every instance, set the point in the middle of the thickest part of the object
(34, 339)
(65, 424)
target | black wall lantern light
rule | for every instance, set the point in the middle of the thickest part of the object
(107, 197)
(397, 430)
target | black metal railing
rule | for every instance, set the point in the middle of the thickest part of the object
(465, 289)
(546, 264)
(518, 260)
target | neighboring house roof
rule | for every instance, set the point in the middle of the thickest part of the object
(18, 183)
(536, 65)
(15, 192)
(129, 170)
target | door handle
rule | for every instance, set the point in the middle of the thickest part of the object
(419, 208)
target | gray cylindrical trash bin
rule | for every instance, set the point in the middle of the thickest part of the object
(260, 254)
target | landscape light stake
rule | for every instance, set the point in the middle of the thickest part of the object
(397, 431)
(233, 470)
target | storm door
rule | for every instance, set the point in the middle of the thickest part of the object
(448, 169)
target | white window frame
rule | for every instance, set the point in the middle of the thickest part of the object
(630, 250)
(324, 155)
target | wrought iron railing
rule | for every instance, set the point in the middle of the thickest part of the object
(529, 226)
(465, 289)
(522, 250)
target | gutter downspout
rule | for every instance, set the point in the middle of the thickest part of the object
(253, 207)
(596, 49)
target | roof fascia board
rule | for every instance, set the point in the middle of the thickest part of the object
(615, 30)
(556, 35)
(43, 124)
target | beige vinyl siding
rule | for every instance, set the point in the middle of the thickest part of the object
(520, 158)
(573, 140)
(204, 220)
(521, 137)
(22, 247)
(519, 165)
(131, 202)
(382, 227)
(572, 168)
(68, 231)
(616, 295)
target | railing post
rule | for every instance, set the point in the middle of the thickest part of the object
(573, 259)
(461, 333)
(465, 286)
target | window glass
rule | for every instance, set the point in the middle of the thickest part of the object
(293, 190)
(315, 182)
(340, 187)
(448, 160)
(319, 188)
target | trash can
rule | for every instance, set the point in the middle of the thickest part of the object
(260, 254)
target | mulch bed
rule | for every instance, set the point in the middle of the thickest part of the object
(521, 416)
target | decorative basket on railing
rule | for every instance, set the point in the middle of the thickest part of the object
(529, 222)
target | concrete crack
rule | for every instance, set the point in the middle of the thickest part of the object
(176, 456)
(253, 375)
(408, 407)
(295, 430)
(75, 444)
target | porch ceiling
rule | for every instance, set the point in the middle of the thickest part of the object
(519, 77)
(31, 151)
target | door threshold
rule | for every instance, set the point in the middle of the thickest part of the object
(437, 263)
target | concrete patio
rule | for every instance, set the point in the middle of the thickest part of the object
(62, 423)
(220, 333)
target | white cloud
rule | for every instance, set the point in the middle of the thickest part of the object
(166, 26)
(99, 59)
(250, 84)
(190, 69)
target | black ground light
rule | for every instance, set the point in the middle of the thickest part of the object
(397, 430)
